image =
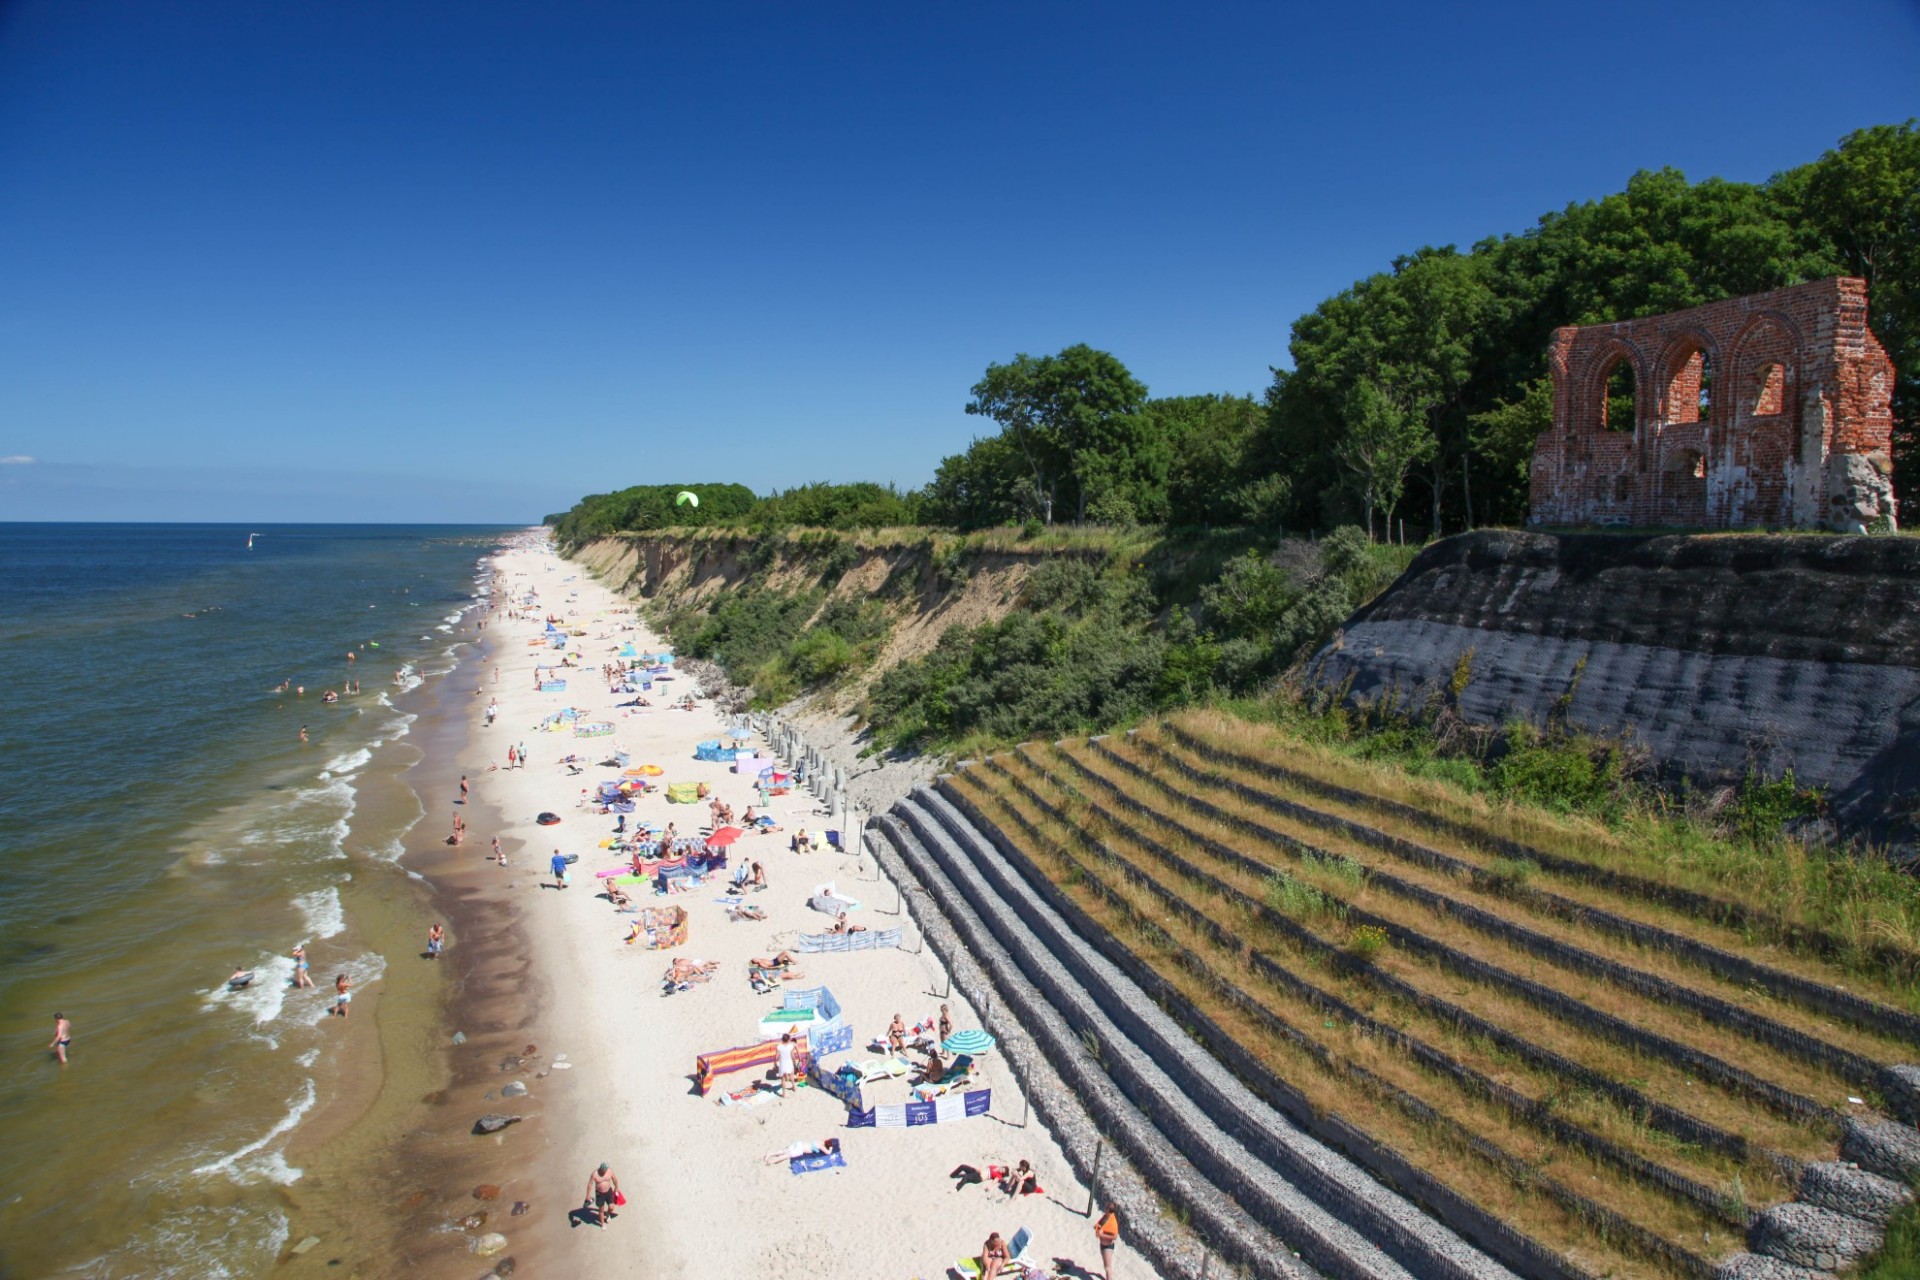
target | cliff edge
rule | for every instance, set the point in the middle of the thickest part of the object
(1721, 654)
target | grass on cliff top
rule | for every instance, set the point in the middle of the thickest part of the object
(1728, 846)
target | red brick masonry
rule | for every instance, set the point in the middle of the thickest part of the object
(1770, 411)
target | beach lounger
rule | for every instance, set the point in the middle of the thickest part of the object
(1019, 1265)
(884, 1068)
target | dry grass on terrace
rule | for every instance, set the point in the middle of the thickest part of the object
(1657, 1079)
(1517, 909)
(1065, 855)
(1572, 1104)
(1871, 910)
(1631, 1007)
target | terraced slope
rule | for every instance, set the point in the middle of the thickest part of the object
(1580, 1070)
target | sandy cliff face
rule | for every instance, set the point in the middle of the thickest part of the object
(1718, 653)
(678, 570)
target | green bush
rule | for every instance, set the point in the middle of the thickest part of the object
(1563, 776)
(1899, 1256)
(1762, 808)
(1366, 942)
(1507, 874)
(1301, 901)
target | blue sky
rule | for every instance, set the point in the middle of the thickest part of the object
(348, 259)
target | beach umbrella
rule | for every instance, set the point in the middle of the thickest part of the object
(723, 837)
(970, 1041)
(650, 771)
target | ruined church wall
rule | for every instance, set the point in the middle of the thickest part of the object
(1795, 430)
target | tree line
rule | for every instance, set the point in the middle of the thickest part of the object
(1414, 395)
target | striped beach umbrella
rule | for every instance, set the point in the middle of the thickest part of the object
(971, 1041)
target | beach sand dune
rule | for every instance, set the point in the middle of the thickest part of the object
(701, 1198)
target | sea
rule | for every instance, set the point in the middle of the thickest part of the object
(162, 824)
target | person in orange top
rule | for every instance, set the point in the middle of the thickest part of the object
(1107, 1232)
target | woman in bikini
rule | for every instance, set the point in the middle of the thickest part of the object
(993, 1256)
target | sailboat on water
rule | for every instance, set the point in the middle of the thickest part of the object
(250, 538)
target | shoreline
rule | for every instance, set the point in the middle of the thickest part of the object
(385, 1080)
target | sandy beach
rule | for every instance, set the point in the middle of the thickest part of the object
(610, 1075)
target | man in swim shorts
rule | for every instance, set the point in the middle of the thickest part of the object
(62, 1037)
(603, 1193)
(559, 865)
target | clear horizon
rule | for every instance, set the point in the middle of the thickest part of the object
(433, 264)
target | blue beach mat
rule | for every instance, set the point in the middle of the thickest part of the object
(815, 1163)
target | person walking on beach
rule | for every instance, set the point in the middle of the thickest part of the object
(513, 757)
(342, 995)
(946, 1024)
(436, 938)
(523, 755)
(559, 865)
(62, 1037)
(1107, 1232)
(603, 1193)
(784, 1057)
(463, 788)
(301, 978)
(498, 856)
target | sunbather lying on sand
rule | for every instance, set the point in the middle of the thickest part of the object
(782, 961)
(746, 912)
(840, 925)
(618, 897)
(794, 1150)
(684, 970)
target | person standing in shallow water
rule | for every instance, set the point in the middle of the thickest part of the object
(301, 978)
(343, 995)
(436, 938)
(62, 1037)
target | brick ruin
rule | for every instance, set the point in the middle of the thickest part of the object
(1770, 411)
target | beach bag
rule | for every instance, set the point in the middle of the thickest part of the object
(620, 1199)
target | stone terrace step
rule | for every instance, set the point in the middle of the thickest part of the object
(1272, 1167)
(1172, 1178)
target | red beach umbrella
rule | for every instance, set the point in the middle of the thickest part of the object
(723, 837)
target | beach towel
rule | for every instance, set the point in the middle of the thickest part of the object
(828, 898)
(816, 1162)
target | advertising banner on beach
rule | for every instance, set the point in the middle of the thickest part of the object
(911, 1115)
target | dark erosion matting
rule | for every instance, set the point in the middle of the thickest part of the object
(1719, 654)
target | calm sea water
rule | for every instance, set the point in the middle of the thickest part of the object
(161, 823)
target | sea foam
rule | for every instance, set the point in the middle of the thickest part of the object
(325, 916)
(254, 1162)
